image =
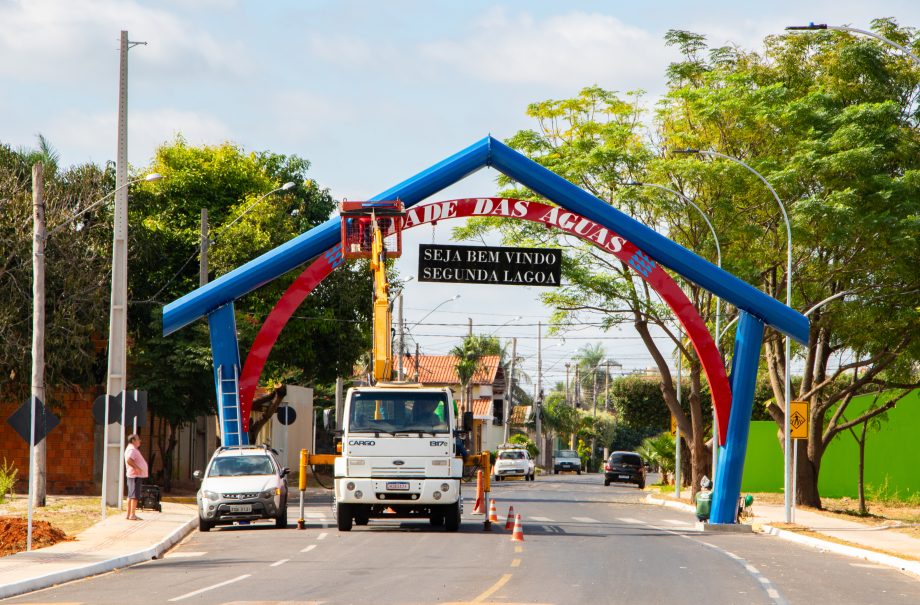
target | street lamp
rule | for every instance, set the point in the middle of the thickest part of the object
(153, 176)
(715, 440)
(513, 319)
(285, 187)
(787, 441)
(442, 303)
(854, 30)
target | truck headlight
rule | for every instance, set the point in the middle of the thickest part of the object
(268, 493)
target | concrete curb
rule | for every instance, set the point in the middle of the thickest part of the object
(911, 567)
(99, 567)
(671, 504)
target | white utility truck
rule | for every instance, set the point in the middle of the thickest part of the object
(400, 458)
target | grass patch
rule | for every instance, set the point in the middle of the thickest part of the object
(71, 514)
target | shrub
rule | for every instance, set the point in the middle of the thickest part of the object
(8, 474)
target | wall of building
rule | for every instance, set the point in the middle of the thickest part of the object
(892, 459)
(70, 445)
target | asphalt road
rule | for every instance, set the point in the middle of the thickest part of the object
(584, 544)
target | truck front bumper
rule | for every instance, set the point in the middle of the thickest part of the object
(397, 491)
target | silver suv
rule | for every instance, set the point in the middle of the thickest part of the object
(242, 483)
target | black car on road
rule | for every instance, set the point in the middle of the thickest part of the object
(624, 467)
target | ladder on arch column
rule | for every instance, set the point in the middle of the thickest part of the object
(228, 406)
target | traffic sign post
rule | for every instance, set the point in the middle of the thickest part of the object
(799, 424)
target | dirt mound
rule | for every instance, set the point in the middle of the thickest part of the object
(13, 532)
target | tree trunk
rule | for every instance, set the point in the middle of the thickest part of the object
(171, 443)
(861, 486)
(807, 479)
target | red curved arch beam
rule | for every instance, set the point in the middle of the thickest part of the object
(552, 217)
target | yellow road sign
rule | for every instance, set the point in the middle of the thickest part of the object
(798, 420)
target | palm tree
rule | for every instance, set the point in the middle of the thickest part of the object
(659, 451)
(468, 354)
(589, 360)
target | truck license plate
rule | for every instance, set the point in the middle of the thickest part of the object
(241, 508)
(397, 485)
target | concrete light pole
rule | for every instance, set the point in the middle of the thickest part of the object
(787, 441)
(715, 437)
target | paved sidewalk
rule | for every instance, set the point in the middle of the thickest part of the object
(903, 551)
(879, 537)
(110, 544)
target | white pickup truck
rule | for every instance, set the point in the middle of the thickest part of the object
(399, 456)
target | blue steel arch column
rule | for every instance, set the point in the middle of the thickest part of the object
(748, 339)
(225, 350)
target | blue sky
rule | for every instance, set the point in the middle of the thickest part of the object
(369, 92)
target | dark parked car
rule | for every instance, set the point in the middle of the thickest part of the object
(624, 467)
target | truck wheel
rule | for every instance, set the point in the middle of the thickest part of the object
(343, 516)
(436, 518)
(452, 517)
(204, 525)
(362, 516)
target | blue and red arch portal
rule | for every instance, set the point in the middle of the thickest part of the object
(552, 217)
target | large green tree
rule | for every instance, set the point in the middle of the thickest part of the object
(322, 340)
(831, 121)
(76, 277)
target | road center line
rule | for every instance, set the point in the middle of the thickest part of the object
(516, 563)
(493, 589)
(322, 535)
(309, 548)
(281, 562)
(207, 588)
(518, 549)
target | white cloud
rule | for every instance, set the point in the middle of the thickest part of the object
(44, 40)
(573, 49)
(147, 129)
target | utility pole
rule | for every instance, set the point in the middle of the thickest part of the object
(401, 333)
(576, 397)
(37, 451)
(509, 399)
(538, 401)
(116, 383)
(416, 363)
(470, 322)
(594, 415)
(567, 401)
(607, 388)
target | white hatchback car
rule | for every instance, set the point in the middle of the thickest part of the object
(513, 463)
(244, 483)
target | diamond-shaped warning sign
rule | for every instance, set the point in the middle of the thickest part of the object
(798, 419)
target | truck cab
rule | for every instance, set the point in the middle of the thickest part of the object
(400, 457)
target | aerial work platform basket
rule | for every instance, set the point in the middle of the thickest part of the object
(357, 231)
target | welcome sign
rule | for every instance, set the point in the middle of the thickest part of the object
(489, 265)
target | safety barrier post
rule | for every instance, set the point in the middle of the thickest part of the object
(302, 479)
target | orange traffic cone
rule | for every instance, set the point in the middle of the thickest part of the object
(493, 514)
(518, 534)
(509, 524)
(480, 507)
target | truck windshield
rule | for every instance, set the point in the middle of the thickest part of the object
(398, 412)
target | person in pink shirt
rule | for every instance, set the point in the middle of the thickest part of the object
(135, 472)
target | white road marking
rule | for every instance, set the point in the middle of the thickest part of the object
(188, 553)
(676, 522)
(281, 562)
(585, 520)
(322, 535)
(869, 565)
(541, 519)
(630, 520)
(207, 588)
(309, 548)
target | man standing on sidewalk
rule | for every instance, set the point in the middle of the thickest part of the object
(135, 472)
